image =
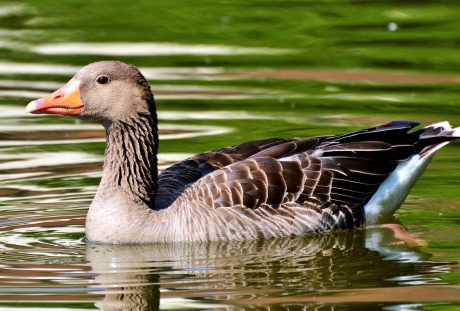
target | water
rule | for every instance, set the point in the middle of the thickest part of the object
(224, 72)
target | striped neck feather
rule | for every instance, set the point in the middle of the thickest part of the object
(131, 157)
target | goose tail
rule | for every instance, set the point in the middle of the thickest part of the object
(395, 188)
(437, 131)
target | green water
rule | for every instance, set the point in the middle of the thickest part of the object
(224, 72)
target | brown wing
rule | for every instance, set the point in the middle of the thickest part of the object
(323, 175)
(173, 181)
(264, 197)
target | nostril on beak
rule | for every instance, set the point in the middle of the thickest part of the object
(57, 96)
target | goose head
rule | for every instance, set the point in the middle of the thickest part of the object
(105, 92)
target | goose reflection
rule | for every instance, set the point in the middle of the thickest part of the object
(211, 275)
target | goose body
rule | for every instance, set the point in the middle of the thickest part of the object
(259, 189)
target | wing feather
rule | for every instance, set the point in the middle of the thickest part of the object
(173, 181)
(308, 185)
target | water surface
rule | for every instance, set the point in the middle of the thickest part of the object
(224, 72)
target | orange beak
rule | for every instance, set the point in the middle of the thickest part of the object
(65, 101)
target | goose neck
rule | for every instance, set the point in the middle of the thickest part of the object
(131, 158)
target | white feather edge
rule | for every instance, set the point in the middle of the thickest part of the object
(395, 188)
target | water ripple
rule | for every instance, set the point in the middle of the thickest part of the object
(148, 49)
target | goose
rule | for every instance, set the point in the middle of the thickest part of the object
(255, 190)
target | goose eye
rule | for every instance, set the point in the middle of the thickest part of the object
(102, 79)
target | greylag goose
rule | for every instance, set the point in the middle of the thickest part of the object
(258, 189)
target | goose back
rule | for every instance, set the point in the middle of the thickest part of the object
(307, 185)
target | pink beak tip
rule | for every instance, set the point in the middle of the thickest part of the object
(33, 106)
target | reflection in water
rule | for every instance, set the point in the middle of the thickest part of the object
(192, 275)
(52, 134)
(147, 48)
